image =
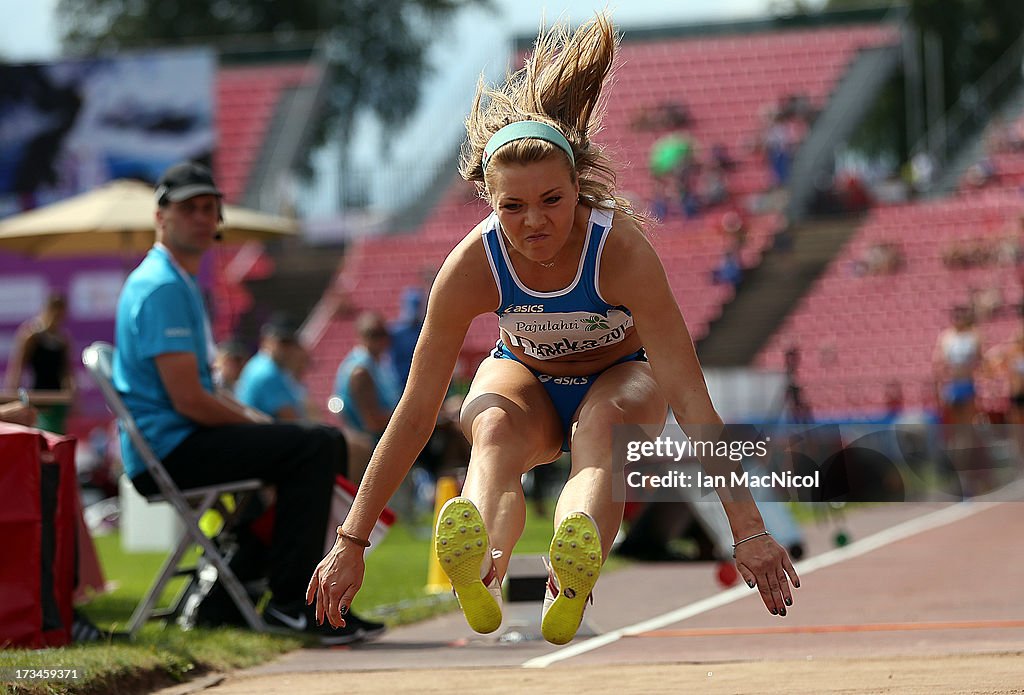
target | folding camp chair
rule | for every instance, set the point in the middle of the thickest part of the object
(190, 505)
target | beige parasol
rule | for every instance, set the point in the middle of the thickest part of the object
(117, 217)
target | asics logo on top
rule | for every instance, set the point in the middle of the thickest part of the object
(525, 309)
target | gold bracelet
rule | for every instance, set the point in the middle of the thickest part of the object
(355, 539)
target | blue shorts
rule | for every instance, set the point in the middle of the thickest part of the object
(566, 392)
(958, 392)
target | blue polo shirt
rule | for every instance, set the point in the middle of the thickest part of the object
(160, 311)
(384, 378)
(265, 386)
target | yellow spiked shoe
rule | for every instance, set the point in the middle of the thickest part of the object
(460, 541)
(574, 565)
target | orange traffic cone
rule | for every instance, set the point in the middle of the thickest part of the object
(437, 580)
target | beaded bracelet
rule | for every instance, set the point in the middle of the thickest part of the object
(355, 539)
(748, 538)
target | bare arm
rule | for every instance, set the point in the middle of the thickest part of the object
(463, 290)
(18, 413)
(16, 365)
(668, 344)
(638, 281)
(179, 372)
(68, 383)
(364, 391)
(940, 368)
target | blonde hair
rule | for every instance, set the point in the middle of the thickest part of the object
(560, 84)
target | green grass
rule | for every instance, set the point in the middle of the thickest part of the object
(159, 657)
(394, 590)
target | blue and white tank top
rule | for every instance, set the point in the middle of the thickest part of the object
(575, 319)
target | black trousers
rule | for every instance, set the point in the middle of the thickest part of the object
(299, 460)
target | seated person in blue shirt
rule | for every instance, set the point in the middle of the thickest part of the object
(367, 382)
(164, 347)
(269, 383)
(227, 366)
(266, 383)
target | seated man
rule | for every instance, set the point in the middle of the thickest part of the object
(227, 366)
(367, 387)
(367, 382)
(266, 383)
(162, 358)
(269, 383)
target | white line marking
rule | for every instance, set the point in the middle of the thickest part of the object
(857, 548)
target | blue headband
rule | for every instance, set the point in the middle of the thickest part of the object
(526, 129)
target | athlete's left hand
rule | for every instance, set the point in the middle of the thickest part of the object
(764, 563)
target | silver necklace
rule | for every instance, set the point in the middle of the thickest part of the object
(549, 264)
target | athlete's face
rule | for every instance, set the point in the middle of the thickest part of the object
(536, 205)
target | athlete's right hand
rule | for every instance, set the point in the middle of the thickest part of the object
(335, 582)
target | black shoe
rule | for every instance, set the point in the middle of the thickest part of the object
(83, 629)
(370, 629)
(299, 618)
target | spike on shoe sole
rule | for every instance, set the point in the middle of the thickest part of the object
(460, 542)
(576, 573)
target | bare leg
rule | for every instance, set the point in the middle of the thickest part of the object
(513, 427)
(624, 394)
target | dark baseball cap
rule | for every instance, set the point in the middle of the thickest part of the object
(280, 326)
(183, 181)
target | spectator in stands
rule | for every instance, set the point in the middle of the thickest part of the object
(797, 106)
(986, 302)
(1009, 251)
(981, 173)
(162, 371)
(266, 382)
(968, 253)
(231, 358)
(406, 331)
(852, 192)
(721, 158)
(797, 407)
(779, 143)
(671, 165)
(714, 185)
(1007, 362)
(571, 361)
(366, 381)
(1005, 137)
(880, 258)
(447, 449)
(729, 270)
(733, 227)
(42, 346)
(783, 238)
(667, 115)
(922, 172)
(18, 413)
(894, 402)
(957, 355)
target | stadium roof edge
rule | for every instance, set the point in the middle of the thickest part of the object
(748, 26)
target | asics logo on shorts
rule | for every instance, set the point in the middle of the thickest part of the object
(564, 380)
